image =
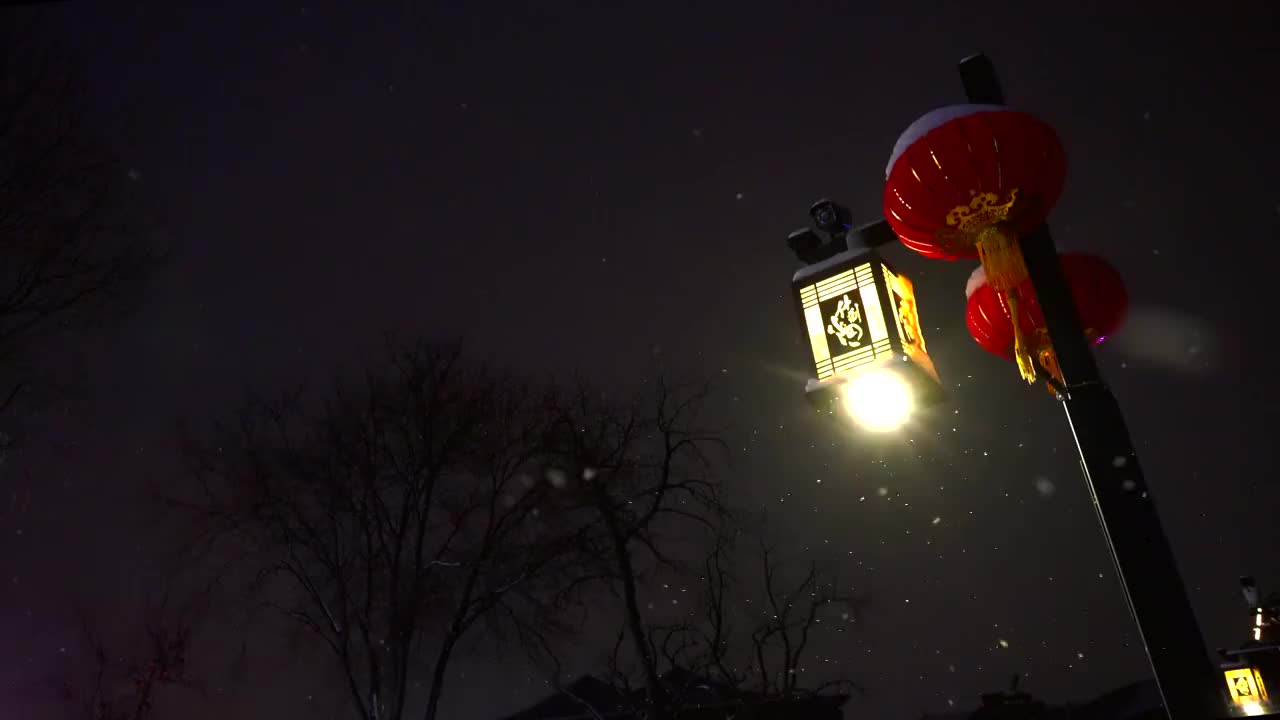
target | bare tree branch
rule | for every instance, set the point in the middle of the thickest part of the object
(123, 682)
(392, 517)
(72, 247)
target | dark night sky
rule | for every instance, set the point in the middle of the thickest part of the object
(582, 185)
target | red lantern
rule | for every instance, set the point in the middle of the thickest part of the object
(965, 181)
(1097, 288)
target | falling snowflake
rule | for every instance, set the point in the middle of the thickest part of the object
(937, 520)
(557, 478)
(1003, 643)
(588, 474)
(882, 492)
(1044, 486)
(1119, 461)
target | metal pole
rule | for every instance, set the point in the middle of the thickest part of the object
(1144, 561)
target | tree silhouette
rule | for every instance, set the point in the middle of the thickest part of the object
(393, 518)
(123, 678)
(71, 250)
(743, 648)
(641, 477)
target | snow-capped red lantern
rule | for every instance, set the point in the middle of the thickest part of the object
(966, 181)
(1096, 287)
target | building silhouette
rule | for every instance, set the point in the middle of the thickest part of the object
(1135, 701)
(697, 698)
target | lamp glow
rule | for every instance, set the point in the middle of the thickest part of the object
(1252, 709)
(878, 400)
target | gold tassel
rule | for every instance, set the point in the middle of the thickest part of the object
(1021, 352)
(1001, 257)
(1002, 262)
(1049, 360)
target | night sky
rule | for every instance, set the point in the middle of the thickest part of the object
(593, 186)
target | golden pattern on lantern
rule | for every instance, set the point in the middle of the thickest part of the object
(1245, 685)
(902, 300)
(984, 210)
(855, 321)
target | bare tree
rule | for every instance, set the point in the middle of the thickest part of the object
(641, 474)
(71, 251)
(122, 678)
(394, 519)
(745, 643)
(792, 612)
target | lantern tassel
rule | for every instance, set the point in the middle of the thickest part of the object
(1001, 257)
(1049, 361)
(1021, 351)
(1004, 267)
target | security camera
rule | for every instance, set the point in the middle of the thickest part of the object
(831, 217)
(1250, 589)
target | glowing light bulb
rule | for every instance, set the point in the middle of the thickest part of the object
(878, 400)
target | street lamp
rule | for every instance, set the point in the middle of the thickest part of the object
(1245, 667)
(859, 320)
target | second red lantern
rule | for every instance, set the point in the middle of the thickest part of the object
(1097, 288)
